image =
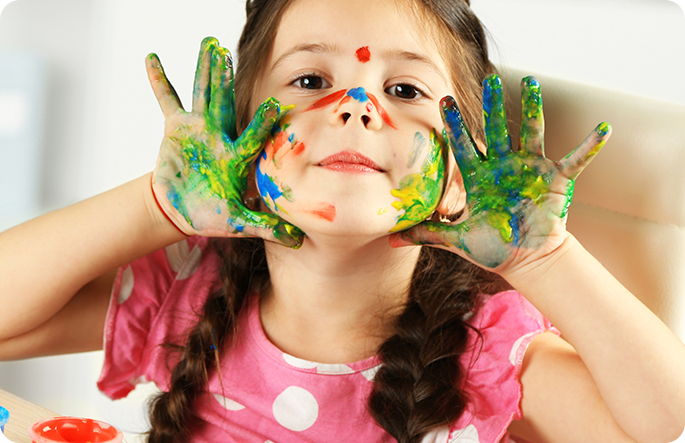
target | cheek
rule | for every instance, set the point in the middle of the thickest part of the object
(419, 192)
(273, 170)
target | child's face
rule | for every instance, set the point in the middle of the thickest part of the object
(357, 148)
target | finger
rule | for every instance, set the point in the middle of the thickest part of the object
(253, 138)
(574, 163)
(432, 234)
(222, 101)
(201, 84)
(264, 225)
(462, 145)
(532, 119)
(496, 129)
(166, 95)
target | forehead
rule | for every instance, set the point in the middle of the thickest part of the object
(344, 26)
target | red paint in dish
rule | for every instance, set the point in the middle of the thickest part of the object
(363, 54)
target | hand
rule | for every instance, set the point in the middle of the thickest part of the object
(517, 202)
(201, 173)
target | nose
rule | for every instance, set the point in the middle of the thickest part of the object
(356, 107)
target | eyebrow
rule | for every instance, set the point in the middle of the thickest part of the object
(402, 55)
(314, 48)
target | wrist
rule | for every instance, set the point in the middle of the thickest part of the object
(159, 216)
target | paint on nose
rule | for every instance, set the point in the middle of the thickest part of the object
(358, 94)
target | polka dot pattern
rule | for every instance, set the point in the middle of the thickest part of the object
(228, 404)
(467, 435)
(513, 355)
(182, 260)
(126, 288)
(295, 409)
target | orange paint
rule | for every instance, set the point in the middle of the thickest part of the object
(326, 212)
(327, 100)
(298, 148)
(384, 115)
(363, 54)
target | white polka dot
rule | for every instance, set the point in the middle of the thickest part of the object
(322, 368)
(439, 435)
(176, 254)
(182, 260)
(229, 404)
(295, 409)
(467, 435)
(298, 362)
(517, 345)
(126, 287)
(370, 373)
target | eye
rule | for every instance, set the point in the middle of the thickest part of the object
(404, 91)
(311, 82)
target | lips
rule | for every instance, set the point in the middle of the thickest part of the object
(352, 162)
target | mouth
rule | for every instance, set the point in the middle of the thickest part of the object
(351, 162)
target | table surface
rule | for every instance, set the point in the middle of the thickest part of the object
(22, 415)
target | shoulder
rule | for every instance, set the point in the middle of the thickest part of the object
(155, 300)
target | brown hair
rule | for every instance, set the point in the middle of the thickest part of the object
(417, 387)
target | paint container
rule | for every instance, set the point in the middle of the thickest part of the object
(4, 418)
(74, 430)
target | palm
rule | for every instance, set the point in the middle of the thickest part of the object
(516, 202)
(201, 174)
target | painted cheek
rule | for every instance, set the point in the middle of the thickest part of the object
(420, 193)
(269, 188)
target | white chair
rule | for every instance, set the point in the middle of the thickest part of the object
(628, 208)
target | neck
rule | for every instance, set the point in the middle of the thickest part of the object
(335, 301)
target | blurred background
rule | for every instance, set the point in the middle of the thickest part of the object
(77, 115)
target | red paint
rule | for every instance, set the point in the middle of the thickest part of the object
(369, 107)
(363, 54)
(384, 115)
(298, 148)
(345, 99)
(278, 142)
(326, 212)
(327, 100)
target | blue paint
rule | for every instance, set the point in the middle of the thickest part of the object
(358, 94)
(291, 138)
(218, 209)
(266, 185)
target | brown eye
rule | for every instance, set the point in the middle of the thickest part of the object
(404, 91)
(310, 82)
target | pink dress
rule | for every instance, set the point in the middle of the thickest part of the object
(269, 396)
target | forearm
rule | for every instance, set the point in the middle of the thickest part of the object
(633, 357)
(45, 261)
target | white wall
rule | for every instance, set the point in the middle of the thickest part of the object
(104, 125)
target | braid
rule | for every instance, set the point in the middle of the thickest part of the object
(171, 417)
(417, 387)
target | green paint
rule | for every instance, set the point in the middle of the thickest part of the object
(532, 119)
(420, 193)
(494, 116)
(569, 196)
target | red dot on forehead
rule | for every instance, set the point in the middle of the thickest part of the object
(363, 54)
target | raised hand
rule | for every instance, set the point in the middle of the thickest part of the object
(201, 173)
(517, 202)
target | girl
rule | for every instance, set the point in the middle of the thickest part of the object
(353, 332)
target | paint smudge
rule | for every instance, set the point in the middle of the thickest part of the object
(327, 100)
(420, 193)
(382, 211)
(363, 54)
(384, 115)
(268, 188)
(417, 149)
(325, 212)
(358, 94)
